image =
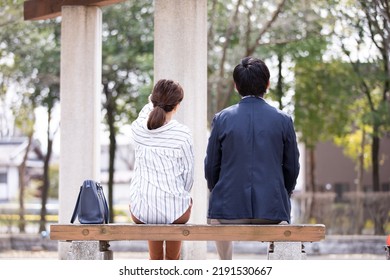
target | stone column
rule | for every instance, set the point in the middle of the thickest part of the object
(180, 53)
(90, 250)
(286, 251)
(81, 60)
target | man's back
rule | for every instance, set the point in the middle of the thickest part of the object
(252, 162)
(251, 165)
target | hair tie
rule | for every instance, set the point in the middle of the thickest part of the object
(166, 107)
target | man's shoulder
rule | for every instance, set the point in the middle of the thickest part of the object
(276, 111)
(227, 111)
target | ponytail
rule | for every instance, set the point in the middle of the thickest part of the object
(156, 118)
(165, 96)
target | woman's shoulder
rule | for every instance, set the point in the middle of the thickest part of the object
(181, 130)
(180, 126)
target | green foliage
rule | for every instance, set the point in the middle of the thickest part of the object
(30, 52)
(128, 56)
(323, 92)
(10, 24)
(127, 69)
(242, 28)
(355, 144)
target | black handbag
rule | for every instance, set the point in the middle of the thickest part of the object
(91, 206)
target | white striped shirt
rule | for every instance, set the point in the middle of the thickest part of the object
(163, 170)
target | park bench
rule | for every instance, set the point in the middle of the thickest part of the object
(285, 241)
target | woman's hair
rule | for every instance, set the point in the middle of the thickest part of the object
(165, 96)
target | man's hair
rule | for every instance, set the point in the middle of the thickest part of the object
(251, 77)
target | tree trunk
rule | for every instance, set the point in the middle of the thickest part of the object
(22, 185)
(375, 160)
(110, 118)
(111, 171)
(359, 223)
(46, 176)
(22, 220)
(279, 85)
(310, 187)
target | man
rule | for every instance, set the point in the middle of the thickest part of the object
(252, 159)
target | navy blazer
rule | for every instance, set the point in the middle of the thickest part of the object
(252, 162)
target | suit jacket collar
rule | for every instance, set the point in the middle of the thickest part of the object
(251, 98)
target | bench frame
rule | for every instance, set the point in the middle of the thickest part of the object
(92, 241)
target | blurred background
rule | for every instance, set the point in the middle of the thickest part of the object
(330, 69)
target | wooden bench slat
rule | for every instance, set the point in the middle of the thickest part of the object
(116, 232)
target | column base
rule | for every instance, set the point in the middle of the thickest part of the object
(90, 250)
(286, 251)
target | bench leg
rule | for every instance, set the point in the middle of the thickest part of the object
(286, 251)
(90, 250)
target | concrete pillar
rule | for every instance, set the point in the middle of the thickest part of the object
(81, 60)
(286, 251)
(90, 250)
(180, 53)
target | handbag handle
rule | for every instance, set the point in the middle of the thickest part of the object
(76, 207)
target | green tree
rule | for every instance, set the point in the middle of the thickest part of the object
(275, 32)
(364, 39)
(32, 52)
(127, 69)
(24, 121)
(356, 145)
(46, 93)
(236, 29)
(299, 32)
(21, 107)
(322, 96)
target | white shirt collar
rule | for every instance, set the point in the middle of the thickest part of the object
(252, 96)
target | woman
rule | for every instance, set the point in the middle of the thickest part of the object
(163, 171)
